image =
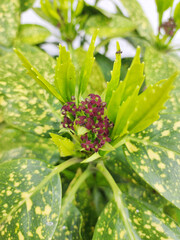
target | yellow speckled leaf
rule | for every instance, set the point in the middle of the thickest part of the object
(30, 200)
(25, 104)
(145, 223)
(155, 155)
(9, 21)
(16, 144)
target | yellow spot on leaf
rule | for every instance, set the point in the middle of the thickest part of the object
(29, 204)
(176, 125)
(159, 187)
(8, 192)
(24, 195)
(165, 133)
(131, 147)
(153, 155)
(39, 130)
(173, 225)
(109, 231)
(171, 155)
(30, 234)
(161, 165)
(20, 236)
(122, 233)
(39, 232)
(47, 210)
(158, 227)
(147, 226)
(38, 210)
(144, 168)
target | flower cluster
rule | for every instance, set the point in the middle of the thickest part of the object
(89, 114)
(169, 27)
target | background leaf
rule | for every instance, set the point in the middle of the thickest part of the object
(16, 144)
(26, 105)
(10, 20)
(32, 34)
(30, 200)
(25, 4)
(137, 16)
(109, 27)
(163, 5)
(177, 15)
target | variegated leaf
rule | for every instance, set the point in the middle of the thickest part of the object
(25, 104)
(145, 223)
(10, 20)
(30, 200)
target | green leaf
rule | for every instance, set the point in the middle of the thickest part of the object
(177, 15)
(105, 64)
(154, 155)
(10, 20)
(124, 114)
(146, 223)
(69, 225)
(115, 75)
(26, 105)
(152, 100)
(17, 144)
(134, 78)
(160, 66)
(87, 66)
(33, 72)
(137, 16)
(39, 12)
(84, 202)
(163, 5)
(65, 76)
(25, 4)
(71, 219)
(32, 34)
(96, 83)
(109, 27)
(30, 199)
(66, 146)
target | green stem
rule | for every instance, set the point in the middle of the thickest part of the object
(70, 194)
(118, 199)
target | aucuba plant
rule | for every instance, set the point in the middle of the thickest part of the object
(107, 158)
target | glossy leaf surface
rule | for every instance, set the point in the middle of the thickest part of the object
(65, 76)
(16, 144)
(10, 20)
(87, 66)
(66, 146)
(154, 155)
(96, 82)
(145, 223)
(32, 34)
(25, 104)
(115, 75)
(30, 200)
(69, 225)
